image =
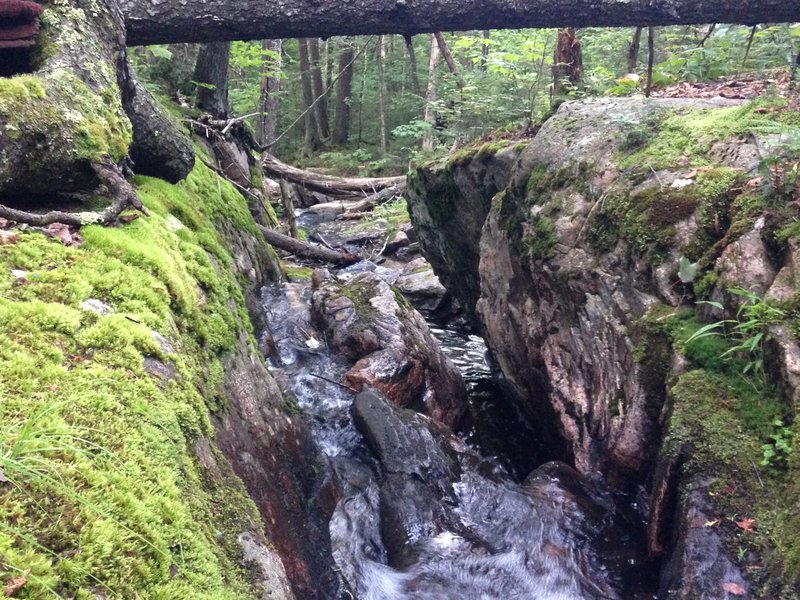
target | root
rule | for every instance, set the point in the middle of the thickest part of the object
(110, 175)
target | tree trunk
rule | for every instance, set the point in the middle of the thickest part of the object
(412, 62)
(329, 64)
(651, 55)
(344, 92)
(80, 114)
(484, 50)
(633, 50)
(429, 116)
(211, 75)
(448, 58)
(361, 97)
(328, 184)
(268, 102)
(311, 140)
(320, 97)
(306, 249)
(381, 91)
(170, 22)
(567, 63)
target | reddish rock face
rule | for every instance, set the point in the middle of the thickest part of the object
(392, 346)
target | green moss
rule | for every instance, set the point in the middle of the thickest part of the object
(662, 141)
(540, 238)
(544, 181)
(707, 416)
(646, 219)
(15, 91)
(295, 272)
(107, 495)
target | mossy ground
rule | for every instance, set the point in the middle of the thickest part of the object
(726, 417)
(104, 494)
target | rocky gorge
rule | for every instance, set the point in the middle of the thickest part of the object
(570, 253)
(299, 433)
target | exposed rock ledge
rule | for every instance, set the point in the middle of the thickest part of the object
(568, 259)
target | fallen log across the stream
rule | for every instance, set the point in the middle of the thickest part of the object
(385, 195)
(308, 250)
(328, 184)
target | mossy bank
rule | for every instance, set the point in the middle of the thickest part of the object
(111, 367)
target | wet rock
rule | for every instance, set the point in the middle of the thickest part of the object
(565, 308)
(699, 568)
(421, 286)
(453, 526)
(269, 446)
(265, 565)
(272, 452)
(448, 206)
(391, 345)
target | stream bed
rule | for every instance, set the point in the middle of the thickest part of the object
(423, 514)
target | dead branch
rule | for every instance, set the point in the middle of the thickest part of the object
(306, 249)
(386, 195)
(328, 184)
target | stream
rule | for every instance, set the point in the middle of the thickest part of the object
(426, 515)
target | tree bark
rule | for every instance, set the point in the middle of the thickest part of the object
(211, 75)
(344, 93)
(448, 58)
(268, 102)
(311, 140)
(633, 50)
(412, 63)
(170, 22)
(567, 63)
(651, 55)
(429, 115)
(321, 106)
(484, 49)
(361, 96)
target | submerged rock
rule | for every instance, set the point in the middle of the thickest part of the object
(444, 524)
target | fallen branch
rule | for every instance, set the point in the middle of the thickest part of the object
(307, 250)
(327, 184)
(386, 195)
(118, 188)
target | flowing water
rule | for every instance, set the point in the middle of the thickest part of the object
(423, 515)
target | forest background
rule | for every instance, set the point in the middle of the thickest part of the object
(375, 105)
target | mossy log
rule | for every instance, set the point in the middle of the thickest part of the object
(76, 113)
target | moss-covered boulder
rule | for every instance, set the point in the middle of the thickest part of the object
(133, 404)
(577, 279)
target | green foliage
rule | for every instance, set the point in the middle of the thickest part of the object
(778, 450)
(748, 330)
